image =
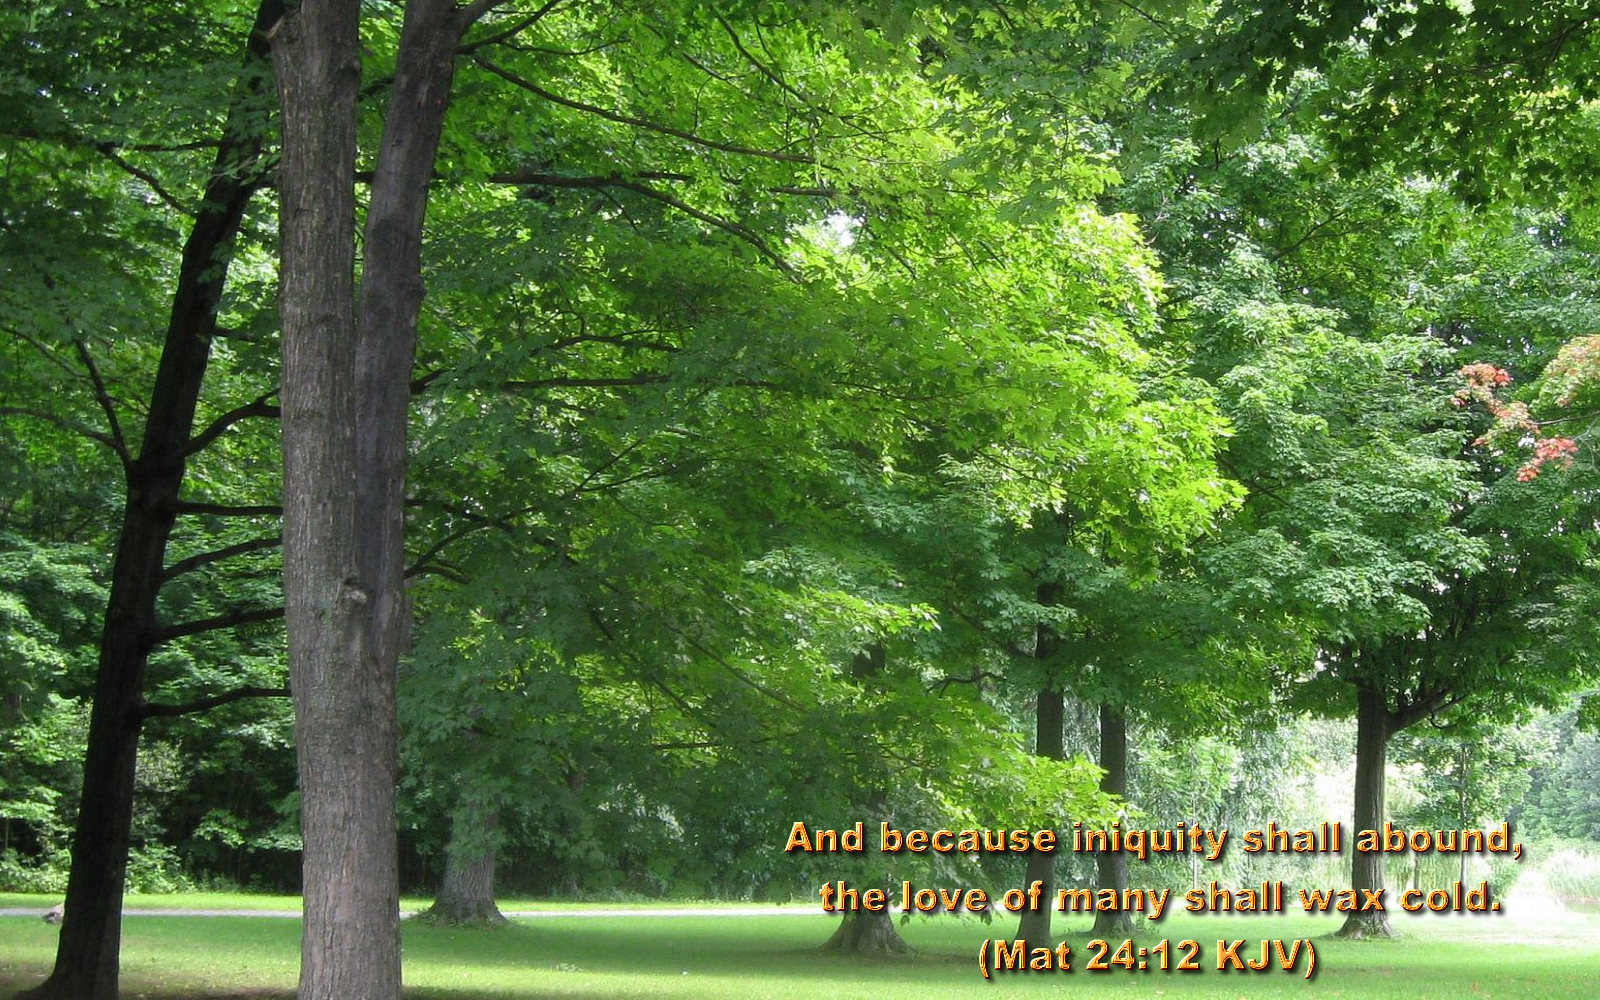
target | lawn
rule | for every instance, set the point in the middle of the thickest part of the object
(724, 957)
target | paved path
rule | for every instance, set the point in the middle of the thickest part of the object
(606, 911)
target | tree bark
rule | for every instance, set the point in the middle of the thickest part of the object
(1374, 724)
(466, 896)
(346, 387)
(88, 951)
(862, 932)
(1111, 867)
(1049, 717)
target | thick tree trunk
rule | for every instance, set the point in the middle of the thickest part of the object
(346, 387)
(466, 895)
(865, 933)
(1111, 867)
(1049, 716)
(343, 696)
(1373, 727)
(87, 952)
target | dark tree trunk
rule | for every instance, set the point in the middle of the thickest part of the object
(87, 953)
(1374, 724)
(1111, 867)
(861, 932)
(865, 933)
(346, 387)
(466, 895)
(1049, 716)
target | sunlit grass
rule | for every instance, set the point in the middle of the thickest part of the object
(748, 958)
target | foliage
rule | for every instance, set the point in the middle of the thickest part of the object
(1498, 96)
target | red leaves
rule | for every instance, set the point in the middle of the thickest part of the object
(1511, 419)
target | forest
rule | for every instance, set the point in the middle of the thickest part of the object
(548, 448)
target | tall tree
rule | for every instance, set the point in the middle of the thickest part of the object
(87, 956)
(346, 397)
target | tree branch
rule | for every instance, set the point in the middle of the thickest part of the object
(64, 424)
(565, 382)
(622, 119)
(516, 29)
(147, 710)
(119, 444)
(183, 566)
(744, 233)
(226, 510)
(229, 620)
(533, 178)
(150, 180)
(468, 15)
(257, 407)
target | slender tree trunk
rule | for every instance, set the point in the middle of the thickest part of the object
(88, 951)
(1111, 867)
(346, 388)
(1463, 798)
(1373, 727)
(466, 895)
(1049, 716)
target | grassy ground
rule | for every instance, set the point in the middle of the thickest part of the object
(751, 958)
(262, 901)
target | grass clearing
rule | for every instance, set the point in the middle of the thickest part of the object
(408, 904)
(725, 957)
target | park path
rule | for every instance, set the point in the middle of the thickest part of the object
(588, 911)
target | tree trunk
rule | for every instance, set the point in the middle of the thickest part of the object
(1041, 865)
(343, 697)
(466, 895)
(88, 951)
(1373, 726)
(866, 933)
(346, 390)
(1111, 867)
(861, 932)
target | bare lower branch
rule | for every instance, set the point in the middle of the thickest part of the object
(159, 711)
(192, 563)
(232, 619)
(439, 570)
(228, 510)
(258, 407)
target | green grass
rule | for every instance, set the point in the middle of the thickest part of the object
(409, 904)
(170, 901)
(752, 958)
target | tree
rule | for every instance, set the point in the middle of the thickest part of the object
(1369, 519)
(346, 395)
(347, 380)
(86, 964)
(1495, 97)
